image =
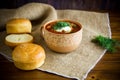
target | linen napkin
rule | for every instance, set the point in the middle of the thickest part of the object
(76, 64)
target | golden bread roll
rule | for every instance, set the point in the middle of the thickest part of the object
(16, 39)
(18, 25)
(28, 56)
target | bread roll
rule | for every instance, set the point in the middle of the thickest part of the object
(19, 25)
(16, 39)
(28, 56)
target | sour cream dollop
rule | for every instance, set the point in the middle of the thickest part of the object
(66, 29)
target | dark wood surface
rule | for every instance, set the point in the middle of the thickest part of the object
(108, 68)
(67, 4)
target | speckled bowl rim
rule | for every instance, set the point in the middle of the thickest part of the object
(78, 23)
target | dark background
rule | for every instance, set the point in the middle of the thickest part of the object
(111, 5)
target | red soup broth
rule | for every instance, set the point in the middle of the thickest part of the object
(75, 27)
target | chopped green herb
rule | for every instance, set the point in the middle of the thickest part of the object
(60, 25)
(107, 43)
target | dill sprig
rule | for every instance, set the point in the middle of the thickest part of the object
(107, 43)
(60, 25)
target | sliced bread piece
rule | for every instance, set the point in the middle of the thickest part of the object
(16, 39)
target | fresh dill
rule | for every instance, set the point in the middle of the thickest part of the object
(60, 25)
(110, 44)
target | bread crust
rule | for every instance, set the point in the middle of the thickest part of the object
(18, 25)
(28, 56)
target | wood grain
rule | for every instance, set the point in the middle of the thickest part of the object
(108, 68)
(67, 4)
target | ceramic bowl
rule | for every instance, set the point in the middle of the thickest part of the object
(65, 42)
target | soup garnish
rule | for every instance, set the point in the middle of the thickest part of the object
(63, 27)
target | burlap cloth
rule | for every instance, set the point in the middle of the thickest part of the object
(76, 64)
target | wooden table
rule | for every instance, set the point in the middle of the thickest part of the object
(108, 68)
